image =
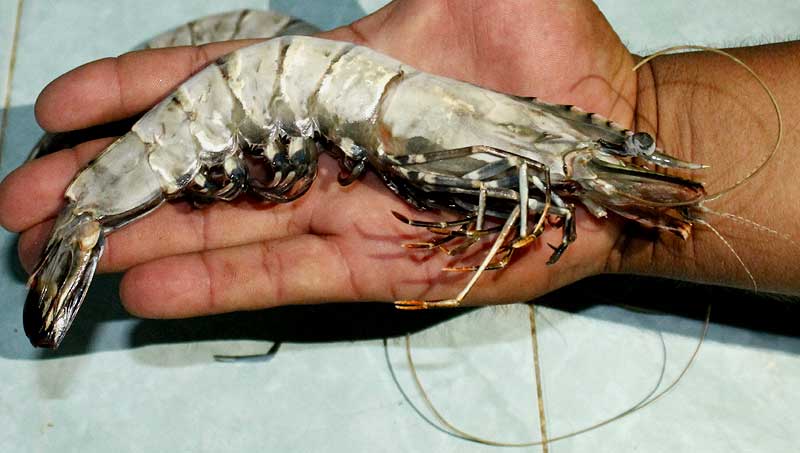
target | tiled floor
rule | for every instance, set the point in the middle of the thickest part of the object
(121, 384)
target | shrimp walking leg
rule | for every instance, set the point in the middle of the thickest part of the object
(456, 301)
(293, 168)
(209, 187)
(490, 181)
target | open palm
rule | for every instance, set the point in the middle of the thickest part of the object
(333, 244)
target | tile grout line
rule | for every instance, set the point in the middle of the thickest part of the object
(12, 58)
(537, 371)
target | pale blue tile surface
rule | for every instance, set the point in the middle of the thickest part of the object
(8, 18)
(648, 27)
(120, 384)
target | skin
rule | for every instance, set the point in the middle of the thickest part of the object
(342, 244)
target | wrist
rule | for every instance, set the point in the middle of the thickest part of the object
(702, 108)
(665, 109)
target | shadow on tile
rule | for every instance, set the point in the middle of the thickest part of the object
(347, 322)
(357, 321)
(297, 324)
(100, 308)
(12, 264)
(758, 312)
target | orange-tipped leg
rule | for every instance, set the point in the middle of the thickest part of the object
(450, 303)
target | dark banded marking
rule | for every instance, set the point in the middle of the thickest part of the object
(292, 22)
(237, 27)
(312, 101)
(222, 64)
(576, 113)
(388, 89)
(192, 32)
(276, 84)
(177, 101)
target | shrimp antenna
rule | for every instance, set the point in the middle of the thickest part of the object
(649, 399)
(763, 85)
(752, 224)
(730, 247)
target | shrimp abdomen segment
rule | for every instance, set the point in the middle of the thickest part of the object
(276, 83)
(306, 65)
(117, 182)
(351, 95)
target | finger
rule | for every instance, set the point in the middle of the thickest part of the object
(31, 243)
(115, 88)
(304, 269)
(43, 180)
(177, 228)
(316, 269)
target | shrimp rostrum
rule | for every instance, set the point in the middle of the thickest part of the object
(509, 166)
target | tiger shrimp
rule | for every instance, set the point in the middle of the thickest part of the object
(436, 142)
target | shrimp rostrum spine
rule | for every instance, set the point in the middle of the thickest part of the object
(437, 142)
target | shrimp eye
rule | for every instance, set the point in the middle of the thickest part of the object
(643, 142)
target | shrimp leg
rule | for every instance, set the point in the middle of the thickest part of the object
(455, 302)
(489, 180)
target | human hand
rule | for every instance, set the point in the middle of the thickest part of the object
(333, 244)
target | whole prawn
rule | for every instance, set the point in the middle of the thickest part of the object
(436, 142)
